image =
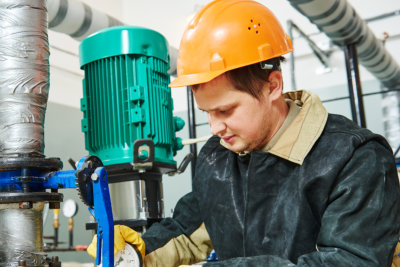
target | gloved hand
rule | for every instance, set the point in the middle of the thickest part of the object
(396, 258)
(122, 235)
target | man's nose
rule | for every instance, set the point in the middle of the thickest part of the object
(217, 126)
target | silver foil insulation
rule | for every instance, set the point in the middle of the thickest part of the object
(24, 77)
(21, 233)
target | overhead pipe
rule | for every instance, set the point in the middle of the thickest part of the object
(339, 21)
(79, 20)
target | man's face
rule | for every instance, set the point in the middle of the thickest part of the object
(244, 122)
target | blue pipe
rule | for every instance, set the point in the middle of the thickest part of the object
(39, 181)
(60, 179)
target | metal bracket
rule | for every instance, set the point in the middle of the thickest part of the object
(143, 154)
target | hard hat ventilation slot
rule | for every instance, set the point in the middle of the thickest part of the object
(254, 25)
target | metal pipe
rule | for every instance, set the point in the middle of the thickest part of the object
(21, 235)
(126, 200)
(24, 77)
(55, 241)
(354, 85)
(339, 21)
(56, 224)
(71, 232)
(367, 94)
(384, 16)
(192, 128)
(291, 55)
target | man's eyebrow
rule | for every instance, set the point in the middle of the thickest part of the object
(223, 107)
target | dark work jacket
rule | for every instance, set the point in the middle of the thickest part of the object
(339, 207)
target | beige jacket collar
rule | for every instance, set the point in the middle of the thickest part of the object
(298, 139)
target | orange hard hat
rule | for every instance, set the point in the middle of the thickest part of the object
(225, 35)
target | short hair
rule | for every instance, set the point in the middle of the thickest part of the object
(251, 78)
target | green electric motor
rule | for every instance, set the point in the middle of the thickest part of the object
(126, 97)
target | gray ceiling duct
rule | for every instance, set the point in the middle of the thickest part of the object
(339, 21)
(79, 20)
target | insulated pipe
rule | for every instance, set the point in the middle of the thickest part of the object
(339, 21)
(24, 77)
(21, 234)
(79, 20)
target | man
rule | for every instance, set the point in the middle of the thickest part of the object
(281, 182)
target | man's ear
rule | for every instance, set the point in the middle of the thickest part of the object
(275, 83)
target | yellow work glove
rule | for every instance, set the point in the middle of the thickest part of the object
(122, 234)
(396, 259)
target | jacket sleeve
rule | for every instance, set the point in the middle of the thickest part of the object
(182, 239)
(361, 222)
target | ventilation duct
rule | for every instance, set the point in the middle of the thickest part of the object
(339, 21)
(79, 20)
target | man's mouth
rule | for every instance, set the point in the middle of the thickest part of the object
(228, 139)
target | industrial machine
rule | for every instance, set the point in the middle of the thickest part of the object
(127, 118)
(128, 123)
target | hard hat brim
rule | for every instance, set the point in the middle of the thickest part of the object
(197, 78)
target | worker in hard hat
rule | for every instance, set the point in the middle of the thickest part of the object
(281, 182)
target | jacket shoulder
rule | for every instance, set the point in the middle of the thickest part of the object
(343, 127)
